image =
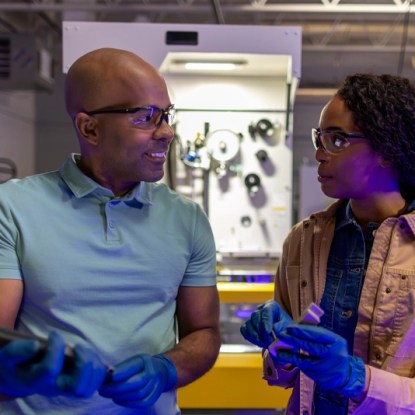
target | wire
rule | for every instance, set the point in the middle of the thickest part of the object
(8, 25)
(218, 11)
(404, 38)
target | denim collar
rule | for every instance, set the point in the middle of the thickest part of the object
(345, 215)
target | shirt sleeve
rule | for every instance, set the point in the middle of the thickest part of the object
(9, 261)
(388, 394)
(201, 270)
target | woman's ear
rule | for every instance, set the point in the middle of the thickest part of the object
(384, 163)
(86, 127)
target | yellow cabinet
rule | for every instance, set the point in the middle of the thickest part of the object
(235, 381)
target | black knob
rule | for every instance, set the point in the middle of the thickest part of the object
(252, 182)
(261, 155)
(265, 128)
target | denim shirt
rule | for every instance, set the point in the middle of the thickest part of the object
(348, 259)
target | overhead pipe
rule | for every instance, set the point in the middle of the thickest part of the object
(266, 8)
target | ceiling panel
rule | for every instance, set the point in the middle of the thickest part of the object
(339, 37)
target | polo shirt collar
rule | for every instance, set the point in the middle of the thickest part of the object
(81, 185)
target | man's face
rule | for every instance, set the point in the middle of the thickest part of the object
(128, 154)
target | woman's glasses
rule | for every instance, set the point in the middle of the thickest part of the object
(332, 141)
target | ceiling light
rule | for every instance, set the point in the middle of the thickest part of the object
(209, 66)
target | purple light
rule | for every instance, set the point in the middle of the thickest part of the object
(243, 313)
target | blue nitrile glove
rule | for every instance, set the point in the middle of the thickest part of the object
(23, 373)
(267, 318)
(140, 380)
(86, 374)
(326, 360)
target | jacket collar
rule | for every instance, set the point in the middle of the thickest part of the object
(407, 218)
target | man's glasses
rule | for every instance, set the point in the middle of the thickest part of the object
(149, 117)
(332, 141)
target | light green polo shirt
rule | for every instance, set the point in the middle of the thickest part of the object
(100, 269)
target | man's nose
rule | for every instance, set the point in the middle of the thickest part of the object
(164, 130)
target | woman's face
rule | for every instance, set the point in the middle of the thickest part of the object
(357, 172)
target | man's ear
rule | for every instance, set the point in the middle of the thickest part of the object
(86, 127)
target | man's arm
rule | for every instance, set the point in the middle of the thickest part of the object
(139, 381)
(199, 335)
(11, 293)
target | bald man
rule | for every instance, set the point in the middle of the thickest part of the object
(101, 256)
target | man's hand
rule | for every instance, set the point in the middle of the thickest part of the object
(140, 380)
(265, 320)
(323, 356)
(23, 371)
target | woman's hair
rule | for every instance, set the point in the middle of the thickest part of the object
(383, 108)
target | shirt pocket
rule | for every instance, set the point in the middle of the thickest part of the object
(401, 289)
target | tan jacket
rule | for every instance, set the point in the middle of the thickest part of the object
(385, 332)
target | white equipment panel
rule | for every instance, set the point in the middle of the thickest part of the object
(233, 152)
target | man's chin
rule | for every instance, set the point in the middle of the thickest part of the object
(155, 177)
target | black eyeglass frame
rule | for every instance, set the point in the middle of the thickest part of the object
(317, 142)
(166, 113)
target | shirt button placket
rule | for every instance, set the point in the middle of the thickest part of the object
(112, 234)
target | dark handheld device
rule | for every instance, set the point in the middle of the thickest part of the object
(7, 336)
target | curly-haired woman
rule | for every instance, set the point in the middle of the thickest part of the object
(356, 260)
